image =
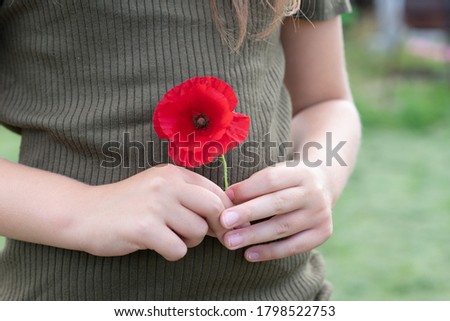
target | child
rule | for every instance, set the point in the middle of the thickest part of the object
(76, 76)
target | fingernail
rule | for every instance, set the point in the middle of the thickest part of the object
(235, 239)
(252, 256)
(230, 218)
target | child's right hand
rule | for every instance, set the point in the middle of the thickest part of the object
(165, 208)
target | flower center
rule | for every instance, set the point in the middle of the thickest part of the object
(200, 121)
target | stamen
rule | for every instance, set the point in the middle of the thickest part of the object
(200, 121)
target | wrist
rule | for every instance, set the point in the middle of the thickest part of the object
(324, 180)
(70, 215)
(333, 180)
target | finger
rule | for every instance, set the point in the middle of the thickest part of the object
(211, 233)
(191, 227)
(293, 245)
(242, 225)
(196, 179)
(280, 202)
(164, 241)
(206, 204)
(268, 180)
(276, 228)
(201, 201)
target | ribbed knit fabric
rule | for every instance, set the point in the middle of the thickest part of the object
(76, 74)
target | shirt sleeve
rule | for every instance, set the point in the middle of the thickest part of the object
(322, 9)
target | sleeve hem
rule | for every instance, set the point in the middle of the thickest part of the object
(322, 9)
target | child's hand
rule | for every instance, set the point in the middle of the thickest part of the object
(295, 204)
(165, 208)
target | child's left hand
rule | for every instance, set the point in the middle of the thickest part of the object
(295, 203)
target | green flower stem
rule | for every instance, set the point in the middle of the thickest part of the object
(225, 171)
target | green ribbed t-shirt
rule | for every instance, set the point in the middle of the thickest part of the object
(78, 74)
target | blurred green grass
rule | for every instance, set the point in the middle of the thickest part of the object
(9, 144)
(9, 149)
(391, 225)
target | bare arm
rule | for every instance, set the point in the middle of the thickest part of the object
(316, 78)
(166, 209)
(38, 206)
(297, 200)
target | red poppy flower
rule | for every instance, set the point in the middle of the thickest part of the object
(197, 118)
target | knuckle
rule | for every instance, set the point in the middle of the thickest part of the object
(94, 249)
(238, 193)
(322, 206)
(293, 249)
(213, 188)
(272, 179)
(213, 205)
(279, 203)
(195, 236)
(324, 232)
(318, 188)
(327, 230)
(190, 243)
(203, 229)
(158, 184)
(176, 253)
(282, 229)
(325, 213)
(216, 205)
(329, 213)
(246, 213)
(200, 231)
(142, 227)
(322, 194)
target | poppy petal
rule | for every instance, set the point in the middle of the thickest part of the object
(197, 118)
(236, 133)
(222, 87)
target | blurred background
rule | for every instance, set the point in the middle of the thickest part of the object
(391, 237)
(392, 224)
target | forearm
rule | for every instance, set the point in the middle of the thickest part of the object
(38, 206)
(327, 136)
(114, 219)
(290, 204)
